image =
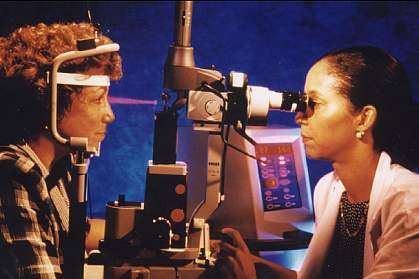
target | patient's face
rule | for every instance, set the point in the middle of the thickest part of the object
(89, 115)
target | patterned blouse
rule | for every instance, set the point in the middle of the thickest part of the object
(346, 254)
(33, 215)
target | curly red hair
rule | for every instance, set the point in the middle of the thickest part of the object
(25, 57)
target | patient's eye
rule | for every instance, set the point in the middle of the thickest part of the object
(99, 100)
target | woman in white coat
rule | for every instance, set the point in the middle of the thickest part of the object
(362, 118)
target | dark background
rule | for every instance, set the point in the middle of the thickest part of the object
(275, 43)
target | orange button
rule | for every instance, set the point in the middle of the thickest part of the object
(177, 215)
(271, 182)
(180, 189)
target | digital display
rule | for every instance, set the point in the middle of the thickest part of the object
(278, 177)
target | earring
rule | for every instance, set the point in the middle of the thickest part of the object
(359, 134)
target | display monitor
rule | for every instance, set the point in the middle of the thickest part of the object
(263, 199)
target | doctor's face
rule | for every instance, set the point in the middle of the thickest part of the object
(328, 126)
(89, 115)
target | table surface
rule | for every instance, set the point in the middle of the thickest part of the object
(288, 258)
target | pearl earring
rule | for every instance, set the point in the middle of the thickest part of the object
(359, 134)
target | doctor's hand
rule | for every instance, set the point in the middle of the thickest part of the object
(234, 261)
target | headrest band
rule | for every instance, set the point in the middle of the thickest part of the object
(82, 80)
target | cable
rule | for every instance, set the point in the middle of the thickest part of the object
(224, 156)
(243, 134)
(243, 152)
(89, 199)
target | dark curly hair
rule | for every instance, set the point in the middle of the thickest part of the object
(25, 57)
(371, 76)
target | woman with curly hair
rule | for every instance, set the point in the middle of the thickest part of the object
(362, 118)
(34, 193)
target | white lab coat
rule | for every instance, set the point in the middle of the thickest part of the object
(391, 248)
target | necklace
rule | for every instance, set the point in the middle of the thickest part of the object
(360, 224)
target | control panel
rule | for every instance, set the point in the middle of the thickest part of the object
(278, 178)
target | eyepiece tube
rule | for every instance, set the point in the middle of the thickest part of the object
(287, 101)
(260, 100)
